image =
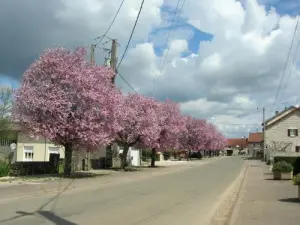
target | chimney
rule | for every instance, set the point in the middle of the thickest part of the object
(276, 112)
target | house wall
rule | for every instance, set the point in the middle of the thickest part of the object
(77, 163)
(41, 148)
(134, 154)
(254, 147)
(279, 132)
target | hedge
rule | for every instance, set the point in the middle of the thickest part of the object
(294, 161)
(4, 169)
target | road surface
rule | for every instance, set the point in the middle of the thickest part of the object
(182, 197)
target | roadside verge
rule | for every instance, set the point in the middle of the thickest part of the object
(223, 210)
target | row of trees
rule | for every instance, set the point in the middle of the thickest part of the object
(73, 103)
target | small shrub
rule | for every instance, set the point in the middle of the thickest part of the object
(296, 166)
(296, 179)
(289, 159)
(282, 167)
(61, 167)
(4, 169)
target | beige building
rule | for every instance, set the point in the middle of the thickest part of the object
(27, 149)
(255, 143)
(281, 134)
(35, 150)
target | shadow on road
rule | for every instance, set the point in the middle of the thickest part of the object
(55, 219)
(49, 215)
(291, 200)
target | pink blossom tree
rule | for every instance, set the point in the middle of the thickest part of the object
(138, 121)
(195, 136)
(215, 140)
(69, 101)
(171, 123)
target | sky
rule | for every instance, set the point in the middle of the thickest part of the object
(225, 57)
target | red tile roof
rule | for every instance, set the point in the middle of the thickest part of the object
(256, 137)
(241, 142)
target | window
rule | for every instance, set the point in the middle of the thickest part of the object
(53, 150)
(28, 153)
(297, 148)
(292, 132)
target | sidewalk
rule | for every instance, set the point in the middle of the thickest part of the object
(263, 200)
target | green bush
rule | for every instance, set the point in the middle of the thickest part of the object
(61, 167)
(283, 167)
(296, 166)
(4, 169)
(294, 161)
(296, 179)
(289, 159)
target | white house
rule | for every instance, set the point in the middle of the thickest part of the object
(133, 156)
(27, 149)
(281, 134)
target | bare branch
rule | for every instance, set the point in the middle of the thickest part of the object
(280, 146)
(6, 94)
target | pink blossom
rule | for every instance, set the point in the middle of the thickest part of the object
(68, 100)
(171, 123)
(137, 120)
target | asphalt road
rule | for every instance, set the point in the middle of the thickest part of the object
(183, 197)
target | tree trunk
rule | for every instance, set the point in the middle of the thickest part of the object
(188, 155)
(153, 157)
(124, 156)
(68, 160)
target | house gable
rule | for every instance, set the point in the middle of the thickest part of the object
(277, 133)
(280, 116)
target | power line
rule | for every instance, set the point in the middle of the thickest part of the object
(290, 72)
(286, 63)
(169, 33)
(166, 46)
(127, 82)
(112, 22)
(133, 29)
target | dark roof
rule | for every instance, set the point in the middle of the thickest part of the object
(256, 137)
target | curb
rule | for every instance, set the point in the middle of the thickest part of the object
(235, 210)
(224, 210)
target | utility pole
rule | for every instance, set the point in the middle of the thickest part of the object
(88, 154)
(113, 64)
(264, 136)
(92, 54)
(113, 58)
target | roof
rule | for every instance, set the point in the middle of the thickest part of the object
(256, 137)
(242, 142)
(281, 115)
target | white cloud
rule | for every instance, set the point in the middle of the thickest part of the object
(228, 78)
(243, 61)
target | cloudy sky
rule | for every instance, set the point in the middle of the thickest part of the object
(225, 57)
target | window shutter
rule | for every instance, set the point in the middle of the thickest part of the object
(289, 132)
(296, 132)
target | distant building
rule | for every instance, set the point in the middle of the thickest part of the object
(255, 143)
(235, 145)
